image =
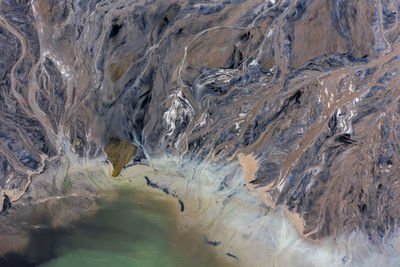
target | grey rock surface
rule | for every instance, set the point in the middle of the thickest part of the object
(308, 90)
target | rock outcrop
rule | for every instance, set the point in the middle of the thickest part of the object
(305, 94)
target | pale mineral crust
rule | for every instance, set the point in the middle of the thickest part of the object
(303, 93)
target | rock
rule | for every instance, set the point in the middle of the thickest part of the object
(303, 93)
(119, 152)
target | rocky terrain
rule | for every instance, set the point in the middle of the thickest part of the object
(303, 94)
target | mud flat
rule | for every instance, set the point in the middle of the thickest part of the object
(236, 222)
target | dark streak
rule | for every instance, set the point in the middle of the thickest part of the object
(211, 243)
(181, 204)
(166, 191)
(115, 30)
(232, 256)
(295, 97)
(345, 139)
(257, 181)
(6, 204)
(156, 186)
(150, 183)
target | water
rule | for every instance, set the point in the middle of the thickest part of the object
(132, 229)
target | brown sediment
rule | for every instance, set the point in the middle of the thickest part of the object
(68, 79)
(12, 242)
(118, 68)
(295, 219)
(249, 166)
(119, 153)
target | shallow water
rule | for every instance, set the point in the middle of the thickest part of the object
(131, 229)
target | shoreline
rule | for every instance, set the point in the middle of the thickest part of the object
(245, 228)
(212, 201)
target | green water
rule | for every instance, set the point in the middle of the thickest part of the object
(131, 230)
